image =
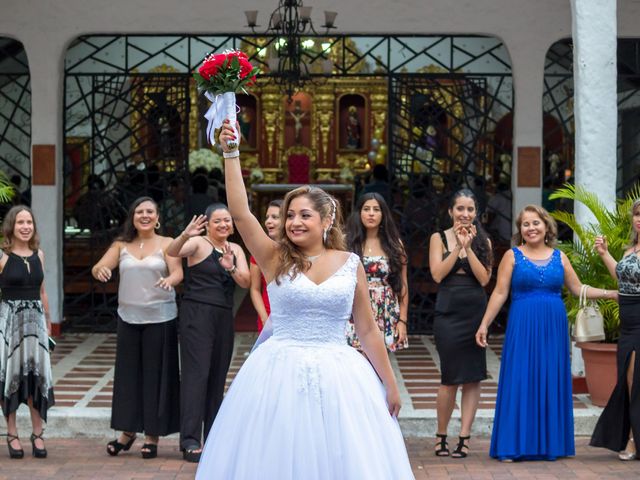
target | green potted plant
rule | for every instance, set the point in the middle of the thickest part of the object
(615, 225)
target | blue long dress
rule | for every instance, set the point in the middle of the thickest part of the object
(534, 407)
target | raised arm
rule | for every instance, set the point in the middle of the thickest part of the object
(102, 270)
(183, 245)
(498, 297)
(257, 241)
(574, 285)
(482, 273)
(601, 247)
(372, 343)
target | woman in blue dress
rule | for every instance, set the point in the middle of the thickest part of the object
(534, 408)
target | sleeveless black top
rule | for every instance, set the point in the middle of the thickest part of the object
(461, 263)
(19, 282)
(208, 282)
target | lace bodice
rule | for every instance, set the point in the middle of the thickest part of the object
(306, 312)
(628, 270)
(532, 278)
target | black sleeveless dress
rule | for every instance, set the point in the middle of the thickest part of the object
(460, 305)
(622, 412)
(25, 364)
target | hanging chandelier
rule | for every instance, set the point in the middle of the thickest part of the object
(289, 23)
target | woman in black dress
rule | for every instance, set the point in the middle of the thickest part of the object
(619, 423)
(25, 365)
(460, 260)
(214, 267)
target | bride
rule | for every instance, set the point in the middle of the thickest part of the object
(305, 404)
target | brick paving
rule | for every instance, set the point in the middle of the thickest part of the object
(81, 459)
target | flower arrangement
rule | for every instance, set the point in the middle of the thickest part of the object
(206, 158)
(220, 77)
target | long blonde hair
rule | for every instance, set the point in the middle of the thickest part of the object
(291, 259)
(550, 237)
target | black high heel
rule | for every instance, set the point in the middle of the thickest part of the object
(443, 451)
(152, 450)
(38, 452)
(459, 452)
(14, 452)
(114, 447)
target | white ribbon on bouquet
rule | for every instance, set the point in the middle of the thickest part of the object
(223, 106)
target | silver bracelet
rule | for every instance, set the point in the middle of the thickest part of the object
(231, 154)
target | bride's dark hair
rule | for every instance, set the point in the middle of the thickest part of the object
(291, 259)
(387, 234)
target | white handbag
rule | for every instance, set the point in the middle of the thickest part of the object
(589, 326)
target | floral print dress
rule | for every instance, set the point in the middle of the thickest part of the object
(385, 304)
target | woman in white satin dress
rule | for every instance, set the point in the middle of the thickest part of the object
(305, 404)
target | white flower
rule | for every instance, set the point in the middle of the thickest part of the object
(206, 158)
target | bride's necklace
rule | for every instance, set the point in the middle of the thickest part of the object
(313, 258)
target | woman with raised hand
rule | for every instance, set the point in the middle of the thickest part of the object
(460, 260)
(619, 423)
(146, 385)
(25, 364)
(295, 395)
(258, 289)
(373, 236)
(214, 267)
(534, 408)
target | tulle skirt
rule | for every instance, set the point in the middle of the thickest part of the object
(307, 411)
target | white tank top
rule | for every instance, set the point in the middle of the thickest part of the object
(139, 300)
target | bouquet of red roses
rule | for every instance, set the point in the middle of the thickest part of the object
(220, 77)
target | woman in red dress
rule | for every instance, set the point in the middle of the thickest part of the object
(258, 289)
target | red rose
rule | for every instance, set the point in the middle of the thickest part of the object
(211, 65)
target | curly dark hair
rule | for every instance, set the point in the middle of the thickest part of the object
(481, 244)
(387, 234)
(129, 232)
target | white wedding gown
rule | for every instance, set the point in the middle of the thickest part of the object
(305, 405)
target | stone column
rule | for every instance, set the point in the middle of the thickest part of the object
(595, 108)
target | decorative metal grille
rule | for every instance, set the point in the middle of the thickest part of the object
(444, 139)
(107, 133)
(15, 111)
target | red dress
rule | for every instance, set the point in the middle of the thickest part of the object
(265, 295)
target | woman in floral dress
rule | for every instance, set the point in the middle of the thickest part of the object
(372, 234)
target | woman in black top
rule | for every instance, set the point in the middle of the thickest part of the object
(460, 261)
(25, 365)
(214, 267)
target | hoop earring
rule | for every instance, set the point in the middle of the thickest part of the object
(158, 225)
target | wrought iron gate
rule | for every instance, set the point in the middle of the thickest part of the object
(443, 138)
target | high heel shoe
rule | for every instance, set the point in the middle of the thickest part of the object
(462, 444)
(443, 446)
(625, 456)
(114, 446)
(151, 450)
(14, 452)
(35, 451)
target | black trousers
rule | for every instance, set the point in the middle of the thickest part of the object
(206, 347)
(146, 384)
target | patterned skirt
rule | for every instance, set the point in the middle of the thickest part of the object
(25, 364)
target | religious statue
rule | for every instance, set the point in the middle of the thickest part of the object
(353, 129)
(245, 119)
(297, 114)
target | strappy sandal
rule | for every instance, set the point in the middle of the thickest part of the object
(14, 452)
(114, 447)
(459, 452)
(192, 454)
(443, 450)
(35, 451)
(149, 450)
